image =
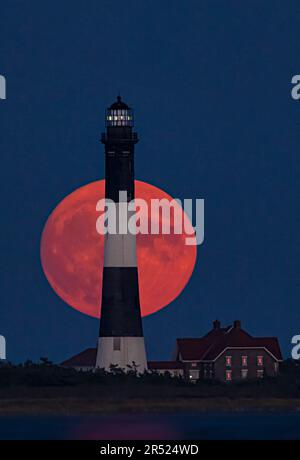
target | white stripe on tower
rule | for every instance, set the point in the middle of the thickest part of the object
(120, 249)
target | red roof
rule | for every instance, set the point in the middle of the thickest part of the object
(86, 358)
(195, 349)
(206, 348)
(209, 347)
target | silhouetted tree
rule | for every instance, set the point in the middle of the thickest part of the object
(45, 361)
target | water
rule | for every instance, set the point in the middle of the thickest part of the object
(202, 426)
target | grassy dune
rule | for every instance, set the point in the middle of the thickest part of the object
(71, 406)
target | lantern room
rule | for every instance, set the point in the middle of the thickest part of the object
(119, 114)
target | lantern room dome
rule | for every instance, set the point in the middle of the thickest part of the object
(119, 105)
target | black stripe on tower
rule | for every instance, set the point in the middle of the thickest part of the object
(121, 316)
(119, 171)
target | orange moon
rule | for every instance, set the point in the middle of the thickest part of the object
(72, 253)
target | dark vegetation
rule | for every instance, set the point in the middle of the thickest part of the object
(44, 388)
(45, 378)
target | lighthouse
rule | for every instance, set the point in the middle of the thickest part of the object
(121, 340)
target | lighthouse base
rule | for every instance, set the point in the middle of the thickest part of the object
(121, 352)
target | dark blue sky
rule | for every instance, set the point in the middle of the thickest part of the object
(210, 85)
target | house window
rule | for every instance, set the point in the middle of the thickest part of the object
(244, 373)
(194, 375)
(194, 364)
(228, 376)
(260, 360)
(245, 361)
(260, 373)
(117, 343)
(228, 361)
(276, 367)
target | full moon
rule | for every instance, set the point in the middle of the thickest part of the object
(72, 253)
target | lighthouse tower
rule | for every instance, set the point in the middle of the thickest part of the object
(121, 340)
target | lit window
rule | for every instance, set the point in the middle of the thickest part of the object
(228, 376)
(119, 118)
(245, 361)
(260, 361)
(244, 373)
(194, 375)
(194, 364)
(260, 374)
(228, 361)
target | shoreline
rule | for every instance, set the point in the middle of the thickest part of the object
(79, 406)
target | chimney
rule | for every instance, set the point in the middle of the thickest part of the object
(237, 324)
(216, 324)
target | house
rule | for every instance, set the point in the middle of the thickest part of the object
(225, 354)
(228, 354)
